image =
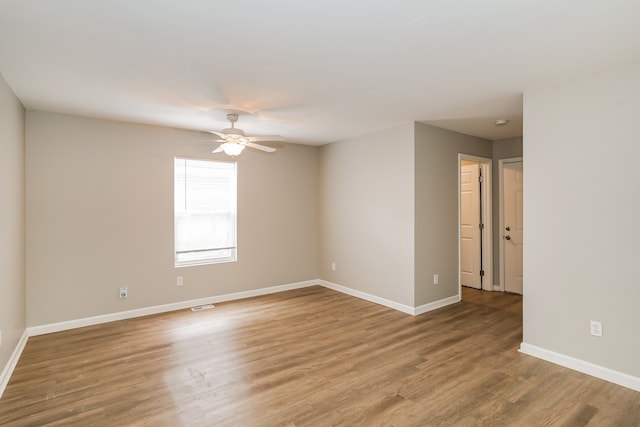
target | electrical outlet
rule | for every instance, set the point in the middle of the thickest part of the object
(123, 292)
(435, 279)
(179, 281)
(596, 328)
(333, 266)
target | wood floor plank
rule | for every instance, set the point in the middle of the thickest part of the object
(308, 357)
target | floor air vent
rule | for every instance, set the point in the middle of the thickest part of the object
(202, 307)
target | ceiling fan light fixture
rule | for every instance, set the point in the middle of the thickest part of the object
(234, 140)
(232, 149)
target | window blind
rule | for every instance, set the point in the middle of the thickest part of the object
(205, 211)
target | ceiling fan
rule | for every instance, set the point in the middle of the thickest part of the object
(234, 140)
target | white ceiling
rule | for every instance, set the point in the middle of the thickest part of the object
(312, 71)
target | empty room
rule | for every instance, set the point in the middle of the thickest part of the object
(325, 213)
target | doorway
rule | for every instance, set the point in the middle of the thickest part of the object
(474, 223)
(511, 175)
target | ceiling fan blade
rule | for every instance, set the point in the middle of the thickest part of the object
(218, 150)
(265, 138)
(260, 147)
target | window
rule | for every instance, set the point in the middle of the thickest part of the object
(205, 212)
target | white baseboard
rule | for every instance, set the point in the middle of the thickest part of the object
(146, 311)
(436, 304)
(112, 317)
(588, 368)
(414, 311)
(368, 297)
(12, 362)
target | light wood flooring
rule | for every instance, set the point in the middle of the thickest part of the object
(309, 357)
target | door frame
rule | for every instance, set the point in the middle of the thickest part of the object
(501, 164)
(487, 233)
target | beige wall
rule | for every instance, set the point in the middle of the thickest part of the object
(436, 207)
(366, 214)
(581, 209)
(12, 222)
(100, 216)
(502, 149)
(389, 217)
(506, 149)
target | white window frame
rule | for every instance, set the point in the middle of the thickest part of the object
(215, 246)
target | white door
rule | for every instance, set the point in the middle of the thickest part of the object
(470, 225)
(512, 233)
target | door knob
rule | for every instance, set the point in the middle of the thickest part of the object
(507, 237)
(508, 228)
